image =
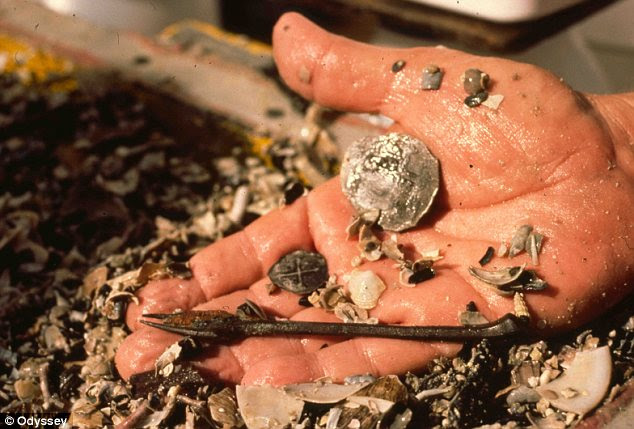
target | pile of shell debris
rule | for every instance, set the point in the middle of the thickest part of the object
(96, 199)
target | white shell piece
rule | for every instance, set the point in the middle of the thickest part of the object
(499, 277)
(493, 101)
(376, 405)
(589, 375)
(267, 407)
(431, 255)
(365, 288)
(323, 393)
(472, 318)
(333, 418)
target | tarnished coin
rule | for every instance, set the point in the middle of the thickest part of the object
(300, 272)
(394, 173)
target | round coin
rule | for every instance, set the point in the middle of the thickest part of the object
(394, 173)
(300, 272)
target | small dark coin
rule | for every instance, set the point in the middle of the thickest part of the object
(476, 100)
(300, 272)
(475, 81)
(398, 66)
(393, 173)
(488, 255)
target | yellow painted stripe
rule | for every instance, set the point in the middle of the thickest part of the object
(252, 46)
(33, 65)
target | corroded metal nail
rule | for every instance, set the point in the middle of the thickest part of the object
(223, 326)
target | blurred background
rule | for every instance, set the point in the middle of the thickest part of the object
(589, 43)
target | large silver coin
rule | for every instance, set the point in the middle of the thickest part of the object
(394, 173)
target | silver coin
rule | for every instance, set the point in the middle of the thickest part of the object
(394, 173)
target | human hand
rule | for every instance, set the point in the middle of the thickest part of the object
(548, 156)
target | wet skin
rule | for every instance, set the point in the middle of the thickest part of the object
(547, 156)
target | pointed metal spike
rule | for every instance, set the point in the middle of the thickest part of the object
(158, 316)
(193, 332)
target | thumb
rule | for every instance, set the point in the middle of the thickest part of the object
(345, 74)
(329, 69)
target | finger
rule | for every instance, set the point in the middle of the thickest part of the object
(232, 263)
(376, 356)
(224, 361)
(164, 296)
(239, 260)
(330, 213)
(344, 74)
(139, 351)
(252, 350)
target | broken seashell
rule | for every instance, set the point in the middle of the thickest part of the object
(375, 405)
(518, 242)
(533, 246)
(588, 375)
(432, 255)
(429, 393)
(503, 250)
(330, 297)
(224, 410)
(391, 249)
(93, 280)
(422, 271)
(471, 318)
(323, 393)
(369, 244)
(509, 279)
(55, 339)
(499, 277)
(365, 288)
(351, 313)
(522, 395)
(333, 418)
(402, 419)
(367, 217)
(404, 275)
(164, 364)
(493, 101)
(432, 77)
(388, 387)
(359, 378)
(26, 389)
(250, 310)
(265, 407)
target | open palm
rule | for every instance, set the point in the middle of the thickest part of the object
(548, 156)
